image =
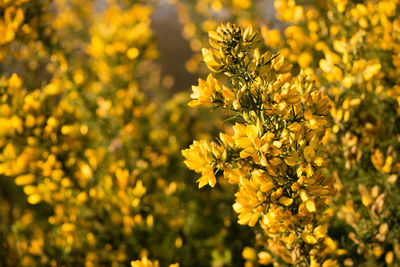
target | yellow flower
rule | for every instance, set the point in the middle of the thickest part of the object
(202, 94)
(249, 253)
(199, 157)
(207, 177)
(309, 238)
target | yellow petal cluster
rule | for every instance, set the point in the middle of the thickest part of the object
(275, 153)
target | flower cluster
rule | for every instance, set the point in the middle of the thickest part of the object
(276, 150)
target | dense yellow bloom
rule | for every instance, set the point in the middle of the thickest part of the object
(276, 154)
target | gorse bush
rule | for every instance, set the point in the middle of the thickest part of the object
(302, 152)
(276, 150)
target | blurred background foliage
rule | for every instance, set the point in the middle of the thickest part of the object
(94, 115)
